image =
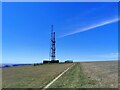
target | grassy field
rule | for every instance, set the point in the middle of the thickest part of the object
(81, 75)
(74, 78)
(90, 75)
(30, 76)
(106, 73)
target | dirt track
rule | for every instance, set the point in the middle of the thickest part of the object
(106, 73)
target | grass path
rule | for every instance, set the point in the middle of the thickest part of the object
(73, 78)
(48, 85)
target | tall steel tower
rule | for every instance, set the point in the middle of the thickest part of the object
(52, 46)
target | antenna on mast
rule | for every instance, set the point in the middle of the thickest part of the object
(52, 48)
(52, 53)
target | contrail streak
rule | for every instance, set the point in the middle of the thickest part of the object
(92, 27)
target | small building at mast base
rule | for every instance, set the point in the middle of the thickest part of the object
(52, 61)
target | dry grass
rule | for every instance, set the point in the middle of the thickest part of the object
(90, 75)
(105, 73)
(73, 78)
(30, 76)
(82, 75)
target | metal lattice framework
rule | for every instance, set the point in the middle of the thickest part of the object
(52, 46)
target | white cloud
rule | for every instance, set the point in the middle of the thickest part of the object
(92, 26)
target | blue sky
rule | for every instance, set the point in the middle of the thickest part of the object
(84, 31)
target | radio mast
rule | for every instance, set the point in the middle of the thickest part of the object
(52, 47)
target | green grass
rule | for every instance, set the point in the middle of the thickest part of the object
(73, 78)
(30, 76)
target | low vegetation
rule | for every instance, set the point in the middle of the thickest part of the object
(31, 76)
(104, 72)
(74, 78)
(81, 75)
